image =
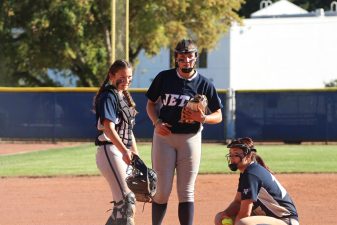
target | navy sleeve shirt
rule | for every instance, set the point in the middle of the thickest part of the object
(269, 197)
(174, 92)
(108, 107)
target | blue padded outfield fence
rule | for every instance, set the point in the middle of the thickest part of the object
(290, 116)
(66, 114)
(265, 115)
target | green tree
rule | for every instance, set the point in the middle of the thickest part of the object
(332, 83)
(73, 37)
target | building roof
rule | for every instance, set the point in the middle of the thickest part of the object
(282, 7)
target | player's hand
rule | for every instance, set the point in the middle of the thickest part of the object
(127, 157)
(189, 114)
(162, 128)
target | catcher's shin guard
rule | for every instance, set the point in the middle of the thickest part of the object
(123, 211)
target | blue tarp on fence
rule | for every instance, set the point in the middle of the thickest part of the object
(290, 116)
(39, 114)
(46, 115)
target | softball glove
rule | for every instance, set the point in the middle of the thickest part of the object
(142, 181)
(193, 104)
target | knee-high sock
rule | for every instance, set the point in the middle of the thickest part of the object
(186, 213)
(158, 213)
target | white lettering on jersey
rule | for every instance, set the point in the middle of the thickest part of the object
(184, 99)
(245, 191)
(165, 100)
(173, 100)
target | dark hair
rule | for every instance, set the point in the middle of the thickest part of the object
(114, 68)
(247, 145)
(186, 46)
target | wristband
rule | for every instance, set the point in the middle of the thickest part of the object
(203, 119)
(157, 121)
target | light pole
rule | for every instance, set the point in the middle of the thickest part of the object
(113, 30)
(120, 37)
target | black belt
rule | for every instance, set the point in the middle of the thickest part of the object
(99, 143)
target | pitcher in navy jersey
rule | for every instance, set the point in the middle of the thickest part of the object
(176, 145)
(260, 198)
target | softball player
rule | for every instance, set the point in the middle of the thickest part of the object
(115, 115)
(176, 146)
(260, 198)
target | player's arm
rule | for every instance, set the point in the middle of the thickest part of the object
(214, 118)
(234, 207)
(134, 148)
(160, 127)
(152, 112)
(109, 130)
(245, 209)
(230, 212)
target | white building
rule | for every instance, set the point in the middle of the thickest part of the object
(281, 46)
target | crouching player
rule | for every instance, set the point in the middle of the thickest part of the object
(260, 198)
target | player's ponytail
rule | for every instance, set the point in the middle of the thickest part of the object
(114, 68)
(251, 150)
(129, 99)
(260, 161)
(106, 80)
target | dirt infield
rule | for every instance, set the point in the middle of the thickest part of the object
(85, 200)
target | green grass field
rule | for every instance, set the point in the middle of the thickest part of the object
(76, 161)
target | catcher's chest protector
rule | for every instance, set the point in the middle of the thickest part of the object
(127, 115)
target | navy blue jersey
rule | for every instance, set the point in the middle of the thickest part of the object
(268, 196)
(107, 107)
(115, 109)
(174, 92)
